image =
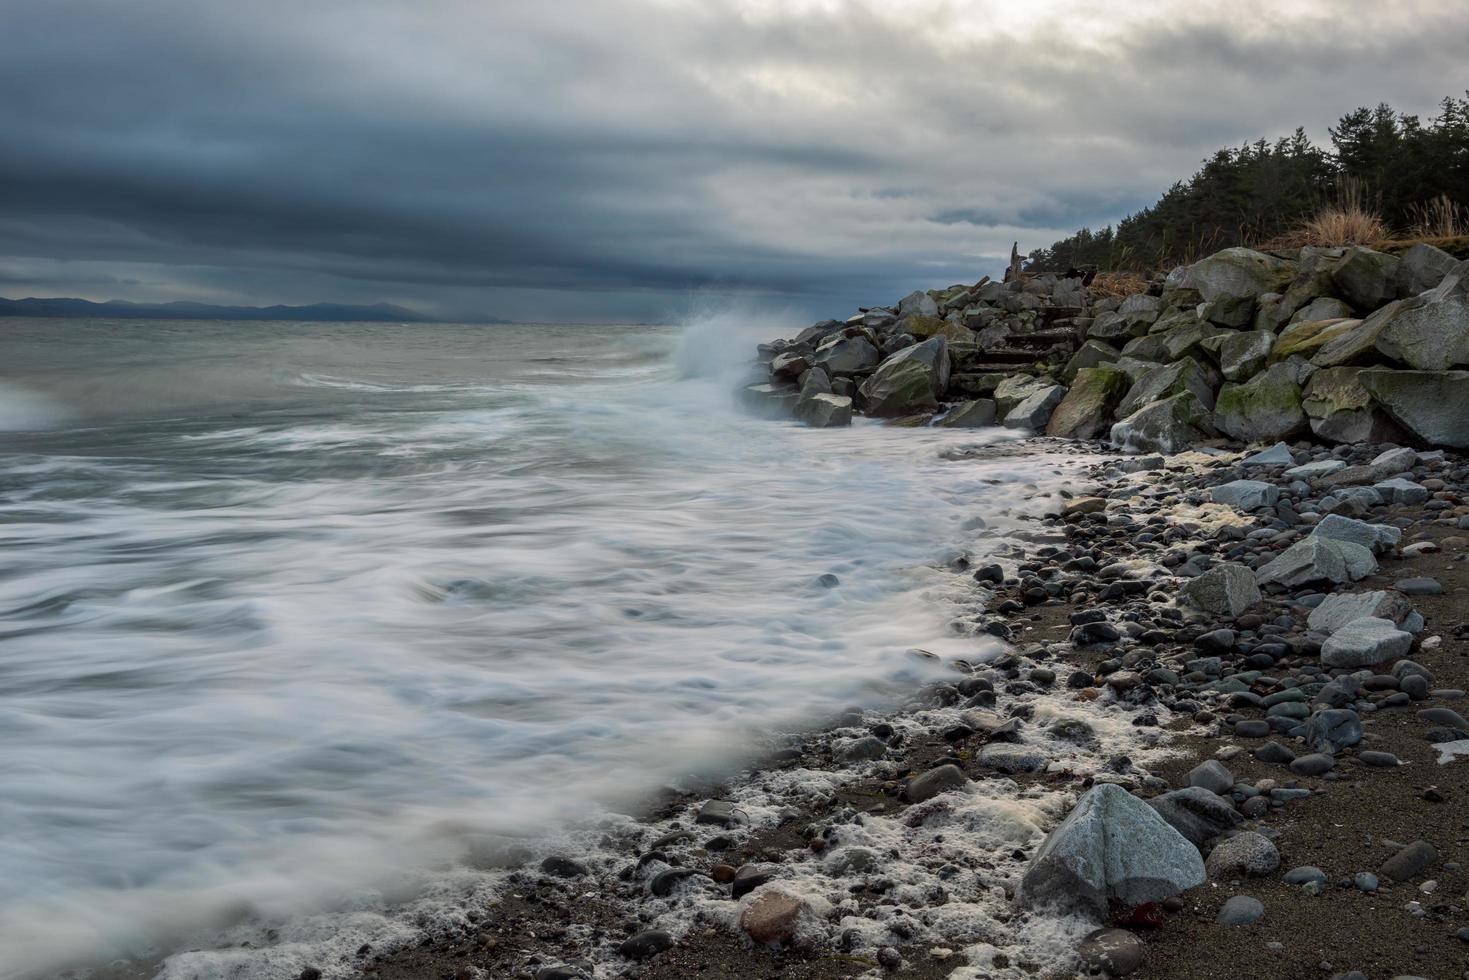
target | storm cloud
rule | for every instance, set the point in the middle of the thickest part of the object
(620, 159)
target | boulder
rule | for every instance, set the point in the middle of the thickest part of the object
(1338, 610)
(924, 327)
(773, 916)
(974, 414)
(1433, 406)
(1365, 642)
(1332, 730)
(1167, 426)
(908, 382)
(1264, 409)
(1377, 538)
(1316, 559)
(1357, 345)
(1322, 308)
(1164, 382)
(818, 332)
(1092, 354)
(815, 382)
(843, 356)
(941, 779)
(1309, 336)
(1224, 590)
(1365, 278)
(1241, 355)
(1112, 846)
(770, 401)
(788, 366)
(1422, 268)
(1112, 952)
(824, 410)
(1430, 332)
(1229, 282)
(1277, 455)
(1246, 494)
(1035, 411)
(1196, 813)
(1087, 410)
(1340, 409)
(918, 303)
(1247, 853)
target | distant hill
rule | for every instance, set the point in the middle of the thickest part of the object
(334, 312)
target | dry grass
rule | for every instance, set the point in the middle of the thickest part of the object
(1119, 285)
(1335, 226)
(1441, 217)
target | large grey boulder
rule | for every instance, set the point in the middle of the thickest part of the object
(1168, 426)
(770, 401)
(1112, 846)
(1306, 338)
(1430, 332)
(1366, 278)
(1224, 590)
(1242, 355)
(1266, 408)
(845, 356)
(1230, 281)
(1316, 559)
(1365, 642)
(1246, 494)
(789, 365)
(1377, 538)
(824, 410)
(1338, 610)
(1340, 409)
(1166, 381)
(1356, 345)
(969, 415)
(1015, 389)
(918, 303)
(1090, 404)
(912, 380)
(1196, 813)
(1322, 308)
(1431, 405)
(1035, 411)
(1092, 354)
(1422, 268)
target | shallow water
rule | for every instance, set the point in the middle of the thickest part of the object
(291, 610)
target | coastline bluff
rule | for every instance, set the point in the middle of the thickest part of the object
(1348, 345)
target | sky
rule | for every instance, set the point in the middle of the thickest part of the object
(630, 160)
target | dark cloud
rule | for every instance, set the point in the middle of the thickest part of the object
(609, 158)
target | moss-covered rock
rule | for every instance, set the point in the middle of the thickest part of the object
(924, 327)
(1340, 409)
(975, 414)
(1243, 354)
(1093, 353)
(1229, 283)
(1357, 345)
(1430, 332)
(1364, 278)
(1168, 426)
(1432, 405)
(1087, 410)
(910, 381)
(1309, 336)
(1267, 408)
(1168, 380)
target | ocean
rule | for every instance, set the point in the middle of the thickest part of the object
(295, 617)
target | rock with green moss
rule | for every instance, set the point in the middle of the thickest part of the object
(1230, 282)
(1422, 268)
(1267, 408)
(1168, 380)
(1365, 278)
(1340, 409)
(975, 414)
(1193, 341)
(1035, 411)
(824, 410)
(1016, 389)
(1087, 410)
(924, 327)
(1359, 344)
(1243, 354)
(1309, 336)
(1092, 354)
(1430, 332)
(1323, 308)
(910, 381)
(1168, 426)
(1432, 405)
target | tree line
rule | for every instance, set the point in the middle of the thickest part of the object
(1406, 170)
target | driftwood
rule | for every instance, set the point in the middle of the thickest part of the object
(1013, 273)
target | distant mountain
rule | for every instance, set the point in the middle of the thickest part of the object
(335, 312)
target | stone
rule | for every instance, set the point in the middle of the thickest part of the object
(1229, 283)
(646, 944)
(1277, 455)
(1419, 586)
(1401, 491)
(1224, 590)
(1168, 426)
(1365, 278)
(1248, 853)
(824, 411)
(750, 877)
(1112, 846)
(1212, 776)
(935, 781)
(1115, 951)
(1337, 611)
(1264, 409)
(1340, 409)
(1431, 405)
(1377, 538)
(1015, 389)
(721, 813)
(1357, 345)
(1165, 381)
(1315, 470)
(1315, 764)
(864, 749)
(772, 917)
(789, 366)
(1428, 333)
(1333, 729)
(1241, 910)
(1422, 268)
(841, 356)
(1087, 410)
(815, 382)
(1093, 353)
(1409, 861)
(1306, 338)
(1035, 411)
(1246, 494)
(1012, 759)
(769, 401)
(910, 381)
(975, 414)
(563, 867)
(1303, 875)
(1242, 355)
(1322, 308)
(1316, 559)
(1196, 813)
(917, 303)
